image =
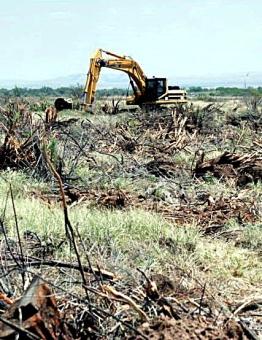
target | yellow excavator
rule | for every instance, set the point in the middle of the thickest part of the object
(147, 92)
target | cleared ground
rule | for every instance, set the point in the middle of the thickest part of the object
(168, 202)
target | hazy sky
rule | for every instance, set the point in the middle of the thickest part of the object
(42, 39)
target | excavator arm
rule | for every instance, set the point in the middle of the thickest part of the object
(125, 64)
(92, 77)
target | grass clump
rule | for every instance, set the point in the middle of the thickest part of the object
(251, 237)
(123, 240)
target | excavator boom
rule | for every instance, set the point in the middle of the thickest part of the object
(120, 63)
(92, 77)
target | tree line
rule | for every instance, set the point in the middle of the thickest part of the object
(226, 91)
(72, 91)
(77, 92)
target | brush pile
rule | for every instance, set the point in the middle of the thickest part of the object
(245, 168)
(23, 135)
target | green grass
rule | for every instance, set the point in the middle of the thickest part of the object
(20, 183)
(249, 235)
(123, 240)
(252, 237)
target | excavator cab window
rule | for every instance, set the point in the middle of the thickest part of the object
(155, 87)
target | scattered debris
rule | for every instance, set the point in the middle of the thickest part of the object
(34, 316)
(143, 146)
(245, 168)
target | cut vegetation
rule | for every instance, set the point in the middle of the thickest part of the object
(142, 225)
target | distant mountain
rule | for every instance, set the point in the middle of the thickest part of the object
(253, 79)
(120, 80)
(106, 81)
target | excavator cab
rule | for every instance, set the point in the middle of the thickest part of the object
(157, 92)
(155, 88)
